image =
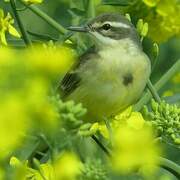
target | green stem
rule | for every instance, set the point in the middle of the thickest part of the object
(47, 18)
(90, 9)
(52, 23)
(107, 152)
(170, 166)
(163, 80)
(20, 24)
(153, 91)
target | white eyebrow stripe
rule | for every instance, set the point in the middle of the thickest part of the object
(117, 24)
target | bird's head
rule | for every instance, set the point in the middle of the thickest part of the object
(110, 29)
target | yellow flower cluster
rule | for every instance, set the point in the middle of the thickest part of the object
(163, 19)
(25, 81)
(134, 148)
(133, 143)
(65, 167)
(6, 26)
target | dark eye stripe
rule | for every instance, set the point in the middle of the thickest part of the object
(114, 32)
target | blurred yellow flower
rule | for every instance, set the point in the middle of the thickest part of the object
(22, 171)
(25, 81)
(67, 167)
(134, 149)
(165, 20)
(13, 120)
(136, 121)
(133, 119)
(50, 60)
(6, 26)
(133, 143)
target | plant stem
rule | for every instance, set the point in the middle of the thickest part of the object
(52, 23)
(101, 145)
(153, 91)
(47, 18)
(163, 80)
(170, 166)
(20, 24)
(90, 9)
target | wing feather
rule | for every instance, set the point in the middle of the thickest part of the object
(72, 79)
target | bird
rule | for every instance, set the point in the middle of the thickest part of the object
(110, 76)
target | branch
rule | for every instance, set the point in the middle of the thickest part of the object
(101, 145)
(47, 18)
(163, 80)
(170, 166)
(20, 24)
(153, 91)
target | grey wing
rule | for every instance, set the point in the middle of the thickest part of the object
(72, 79)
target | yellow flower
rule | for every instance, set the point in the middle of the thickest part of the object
(134, 149)
(133, 143)
(133, 119)
(164, 21)
(22, 171)
(13, 122)
(67, 167)
(136, 120)
(25, 86)
(50, 60)
(33, 1)
(6, 26)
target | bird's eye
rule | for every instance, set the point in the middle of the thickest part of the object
(106, 26)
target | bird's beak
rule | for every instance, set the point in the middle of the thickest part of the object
(78, 29)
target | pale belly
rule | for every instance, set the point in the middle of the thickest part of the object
(108, 90)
